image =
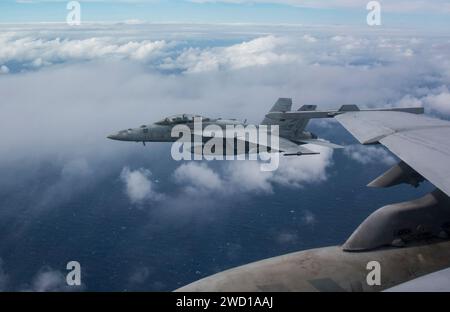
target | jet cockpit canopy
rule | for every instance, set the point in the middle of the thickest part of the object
(180, 119)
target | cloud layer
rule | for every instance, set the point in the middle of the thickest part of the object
(35, 52)
(62, 97)
(243, 177)
(369, 155)
(93, 83)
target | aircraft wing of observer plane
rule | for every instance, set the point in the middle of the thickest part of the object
(408, 241)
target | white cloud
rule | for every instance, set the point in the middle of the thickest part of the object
(409, 101)
(309, 38)
(138, 185)
(245, 176)
(257, 52)
(49, 280)
(439, 102)
(37, 52)
(198, 176)
(45, 280)
(4, 69)
(367, 155)
(436, 100)
(298, 171)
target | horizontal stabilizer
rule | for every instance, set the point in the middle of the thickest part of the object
(344, 109)
(322, 143)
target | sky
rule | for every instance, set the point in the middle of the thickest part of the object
(432, 14)
(135, 218)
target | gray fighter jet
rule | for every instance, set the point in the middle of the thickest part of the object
(292, 134)
(409, 240)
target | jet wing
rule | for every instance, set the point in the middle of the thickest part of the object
(322, 143)
(421, 142)
(239, 137)
(292, 149)
(287, 147)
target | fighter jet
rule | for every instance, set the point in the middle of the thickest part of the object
(408, 243)
(292, 133)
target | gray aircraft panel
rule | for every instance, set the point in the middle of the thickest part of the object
(427, 151)
(329, 269)
(291, 148)
(435, 282)
(422, 142)
(370, 127)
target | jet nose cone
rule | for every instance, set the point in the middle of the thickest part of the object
(119, 136)
(112, 136)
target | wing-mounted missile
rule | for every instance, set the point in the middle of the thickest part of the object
(398, 174)
(299, 151)
(321, 143)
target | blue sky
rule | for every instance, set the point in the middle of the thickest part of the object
(398, 13)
